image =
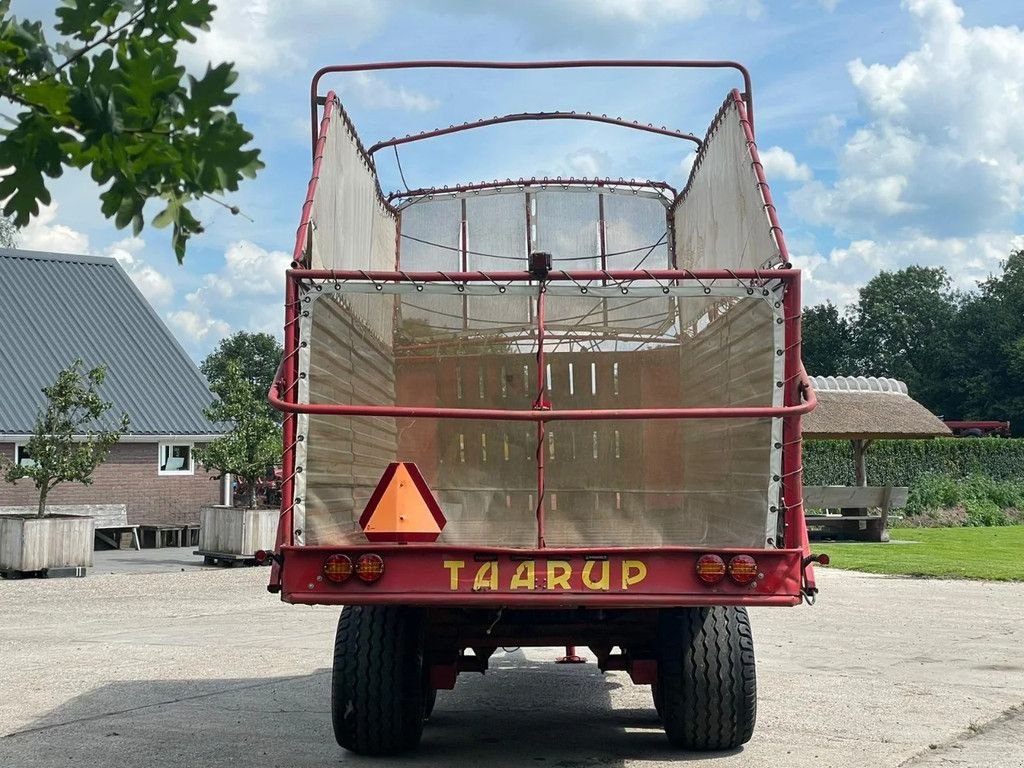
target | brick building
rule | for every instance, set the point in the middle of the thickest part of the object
(59, 307)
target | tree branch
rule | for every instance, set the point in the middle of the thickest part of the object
(99, 41)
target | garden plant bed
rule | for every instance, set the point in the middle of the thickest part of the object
(41, 546)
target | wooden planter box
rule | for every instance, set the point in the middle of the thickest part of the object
(30, 543)
(234, 531)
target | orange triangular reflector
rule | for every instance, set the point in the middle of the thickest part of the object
(402, 508)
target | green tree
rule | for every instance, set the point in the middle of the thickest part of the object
(114, 99)
(254, 442)
(904, 327)
(67, 444)
(827, 341)
(987, 359)
(255, 355)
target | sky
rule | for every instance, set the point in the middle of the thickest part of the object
(890, 131)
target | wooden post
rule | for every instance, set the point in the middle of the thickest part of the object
(860, 469)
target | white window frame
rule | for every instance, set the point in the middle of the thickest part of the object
(18, 447)
(175, 472)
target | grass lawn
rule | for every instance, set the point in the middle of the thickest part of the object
(956, 553)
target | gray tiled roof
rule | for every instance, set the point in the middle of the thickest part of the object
(54, 308)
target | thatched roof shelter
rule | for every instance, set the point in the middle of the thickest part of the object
(868, 408)
(864, 408)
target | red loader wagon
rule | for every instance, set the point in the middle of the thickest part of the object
(542, 412)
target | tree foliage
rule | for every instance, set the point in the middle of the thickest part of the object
(827, 340)
(67, 444)
(255, 355)
(254, 442)
(961, 354)
(115, 100)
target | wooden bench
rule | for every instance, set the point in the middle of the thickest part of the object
(863, 511)
(162, 535)
(111, 521)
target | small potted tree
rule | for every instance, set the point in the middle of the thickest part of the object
(229, 533)
(66, 446)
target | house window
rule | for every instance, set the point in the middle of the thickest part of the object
(175, 459)
(22, 457)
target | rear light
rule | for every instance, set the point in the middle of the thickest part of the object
(710, 569)
(742, 569)
(369, 568)
(338, 568)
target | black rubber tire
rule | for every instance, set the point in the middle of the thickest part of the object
(658, 700)
(377, 695)
(706, 677)
(429, 700)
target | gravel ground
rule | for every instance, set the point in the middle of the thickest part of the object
(202, 667)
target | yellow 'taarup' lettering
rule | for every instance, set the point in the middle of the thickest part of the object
(603, 581)
(559, 572)
(633, 572)
(486, 577)
(454, 566)
(525, 576)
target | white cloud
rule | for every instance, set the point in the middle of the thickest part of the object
(581, 23)
(44, 234)
(252, 269)
(826, 132)
(196, 328)
(780, 164)
(587, 162)
(155, 286)
(373, 92)
(247, 292)
(942, 150)
(686, 165)
(265, 38)
(839, 275)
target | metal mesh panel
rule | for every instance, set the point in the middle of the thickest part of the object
(637, 482)
(721, 220)
(636, 235)
(352, 229)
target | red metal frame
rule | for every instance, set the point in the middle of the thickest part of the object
(788, 573)
(519, 117)
(379, 66)
(798, 398)
(417, 575)
(544, 181)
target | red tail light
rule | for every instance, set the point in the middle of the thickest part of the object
(742, 569)
(338, 568)
(710, 569)
(369, 568)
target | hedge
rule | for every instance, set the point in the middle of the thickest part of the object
(903, 462)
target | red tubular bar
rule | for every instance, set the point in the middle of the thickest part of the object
(762, 182)
(287, 375)
(543, 181)
(795, 376)
(533, 116)
(540, 406)
(379, 66)
(757, 275)
(724, 412)
(319, 142)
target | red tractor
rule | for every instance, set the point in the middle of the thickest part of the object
(540, 412)
(978, 428)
